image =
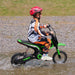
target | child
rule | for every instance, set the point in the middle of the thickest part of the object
(35, 35)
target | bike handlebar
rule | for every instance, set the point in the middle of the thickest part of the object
(48, 26)
(51, 29)
(54, 38)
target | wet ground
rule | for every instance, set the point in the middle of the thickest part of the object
(37, 67)
(13, 28)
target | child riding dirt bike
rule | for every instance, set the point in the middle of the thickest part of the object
(35, 35)
(39, 43)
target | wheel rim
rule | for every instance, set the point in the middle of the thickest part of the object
(60, 59)
(17, 59)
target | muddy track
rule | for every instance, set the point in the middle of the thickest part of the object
(13, 28)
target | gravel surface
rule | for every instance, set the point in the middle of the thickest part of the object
(13, 28)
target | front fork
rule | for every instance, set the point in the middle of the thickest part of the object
(58, 51)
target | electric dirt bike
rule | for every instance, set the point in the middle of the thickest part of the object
(22, 58)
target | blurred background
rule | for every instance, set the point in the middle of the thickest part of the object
(50, 7)
(14, 24)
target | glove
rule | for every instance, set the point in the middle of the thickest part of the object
(48, 25)
(47, 33)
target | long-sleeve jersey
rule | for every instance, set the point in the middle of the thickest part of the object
(34, 31)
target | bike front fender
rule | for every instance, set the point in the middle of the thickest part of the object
(59, 44)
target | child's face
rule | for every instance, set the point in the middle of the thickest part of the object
(38, 15)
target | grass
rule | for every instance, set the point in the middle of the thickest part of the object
(50, 7)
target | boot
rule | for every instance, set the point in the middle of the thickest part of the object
(46, 57)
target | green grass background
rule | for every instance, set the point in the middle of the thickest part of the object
(50, 7)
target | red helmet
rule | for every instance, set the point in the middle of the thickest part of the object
(35, 10)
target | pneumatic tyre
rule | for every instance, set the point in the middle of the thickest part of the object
(60, 58)
(16, 59)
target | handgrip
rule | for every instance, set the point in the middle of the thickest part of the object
(48, 26)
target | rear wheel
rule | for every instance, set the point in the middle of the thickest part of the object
(17, 59)
(60, 58)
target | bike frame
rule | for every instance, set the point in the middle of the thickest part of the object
(54, 40)
(59, 44)
(54, 43)
(39, 49)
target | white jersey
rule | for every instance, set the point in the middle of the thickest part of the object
(32, 34)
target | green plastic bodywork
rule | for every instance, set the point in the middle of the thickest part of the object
(26, 58)
(59, 44)
(39, 55)
(30, 44)
(19, 41)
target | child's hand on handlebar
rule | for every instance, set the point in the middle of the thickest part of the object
(51, 32)
(45, 25)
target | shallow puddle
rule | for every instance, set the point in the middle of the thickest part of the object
(36, 67)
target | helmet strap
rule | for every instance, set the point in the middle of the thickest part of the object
(37, 18)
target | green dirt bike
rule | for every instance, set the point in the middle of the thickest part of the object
(22, 58)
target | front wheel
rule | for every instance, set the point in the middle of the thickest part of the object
(60, 58)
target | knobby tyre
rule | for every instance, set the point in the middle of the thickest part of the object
(17, 58)
(58, 59)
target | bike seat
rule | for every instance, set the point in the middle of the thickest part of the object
(30, 44)
(23, 41)
(27, 43)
